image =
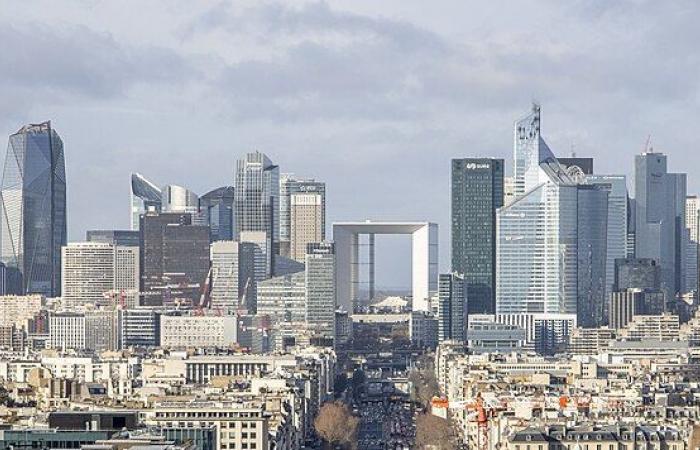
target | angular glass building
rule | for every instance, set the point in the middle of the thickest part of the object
(659, 199)
(477, 192)
(216, 210)
(552, 239)
(616, 185)
(145, 196)
(592, 244)
(33, 216)
(257, 190)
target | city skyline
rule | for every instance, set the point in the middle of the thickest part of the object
(468, 102)
(445, 256)
(352, 225)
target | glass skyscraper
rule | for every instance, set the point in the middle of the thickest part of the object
(216, 210)
(452, 307)
(320, 288)
(145, 196)
(551, 240)
(591, 250)
(174, 258)
(257, 190)
(659, 199)
(33, 217)
(477, 191)
(616, 185)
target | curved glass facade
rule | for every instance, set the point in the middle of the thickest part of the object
(33, 216)
(145, 196)
(216, 209)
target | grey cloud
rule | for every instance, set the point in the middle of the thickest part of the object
(270, 20)
(79, 61)
(375, 105)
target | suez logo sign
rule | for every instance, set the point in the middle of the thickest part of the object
(472, 166)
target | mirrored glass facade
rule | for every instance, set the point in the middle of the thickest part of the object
(145, 196)
(216, 210)
(33, 216)
(552, 239)
(477, 192)
(257, 189)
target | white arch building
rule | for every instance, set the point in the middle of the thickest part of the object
(424, 258)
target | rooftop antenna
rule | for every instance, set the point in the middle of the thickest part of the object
(647, 145)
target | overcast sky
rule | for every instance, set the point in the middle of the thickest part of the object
(374, 97)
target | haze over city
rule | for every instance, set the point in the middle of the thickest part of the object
(374, 97)
(349, 225)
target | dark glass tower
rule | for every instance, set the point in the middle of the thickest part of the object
(452, 309)
(216, 210)
(477, 191)
(174, 258)
(33, 216)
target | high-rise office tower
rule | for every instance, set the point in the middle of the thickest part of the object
(174, 260)
(637, 273)
(692, 210)
(290, 185)
(145, 196)
(33, 215)
(100, 273)
(261, 244)
(306, 223)
(178, 199)
(528, 146)
(232, 276)
(283, 299)
(216, 210)
(477, 191)
(3, 279)
(591, 251)
(452, 307)
(551, 240)
(659, 219)
(616, 185)
(257, 190)
(321, 288)
(127, 238)
(508, 190)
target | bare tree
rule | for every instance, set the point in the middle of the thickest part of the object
(433, 432)
(336, 425)
(425, 385)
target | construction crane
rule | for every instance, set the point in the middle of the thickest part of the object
(118, 296)
(205, 297)
(482, 421)
(243, 298)
(480, 413)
